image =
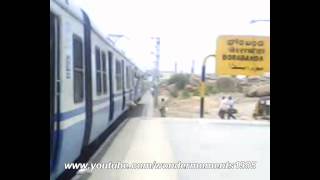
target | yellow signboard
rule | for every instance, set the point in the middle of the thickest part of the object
(243, 55)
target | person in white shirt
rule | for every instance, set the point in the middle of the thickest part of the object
(231, 110)
(223, 108)
(163, 107)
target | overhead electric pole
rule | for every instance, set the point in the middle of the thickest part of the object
(156, 71)
(192, 67)
(175, 67)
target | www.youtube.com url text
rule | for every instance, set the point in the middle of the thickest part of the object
(160, 165)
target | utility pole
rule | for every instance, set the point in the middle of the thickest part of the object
(192, 68)
(175, 67)
(156, 71)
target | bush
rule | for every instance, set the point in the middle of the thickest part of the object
(163, 83)
(174, 94)
(180, 80)
(212, 89)
(185, 94)
(196, 92)
(227, 84)
(209, 89)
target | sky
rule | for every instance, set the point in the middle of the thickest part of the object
(188, 29)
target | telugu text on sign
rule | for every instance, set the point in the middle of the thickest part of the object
(243, 55)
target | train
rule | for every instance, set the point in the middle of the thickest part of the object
(92, 83)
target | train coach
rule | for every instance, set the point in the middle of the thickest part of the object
(91, 84)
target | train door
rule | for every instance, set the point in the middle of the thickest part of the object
(110, 61)
(54, 85)
(88, 80)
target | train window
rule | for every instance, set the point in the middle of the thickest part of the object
(110, 57)
(110, 62)
(118, 75)
(98, 71)
(135, 78)
(78, 69)
(132, 78)
(123, 76)
(127, 78)
(104, 72)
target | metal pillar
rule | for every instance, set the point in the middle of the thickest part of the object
(202, 85)
(157, 73)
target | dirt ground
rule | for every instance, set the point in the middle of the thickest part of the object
(190, 108)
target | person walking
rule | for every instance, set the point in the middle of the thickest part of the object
(162, 107)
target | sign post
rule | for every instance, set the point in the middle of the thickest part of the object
(202, 85)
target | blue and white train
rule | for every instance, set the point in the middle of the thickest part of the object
(91, 84)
